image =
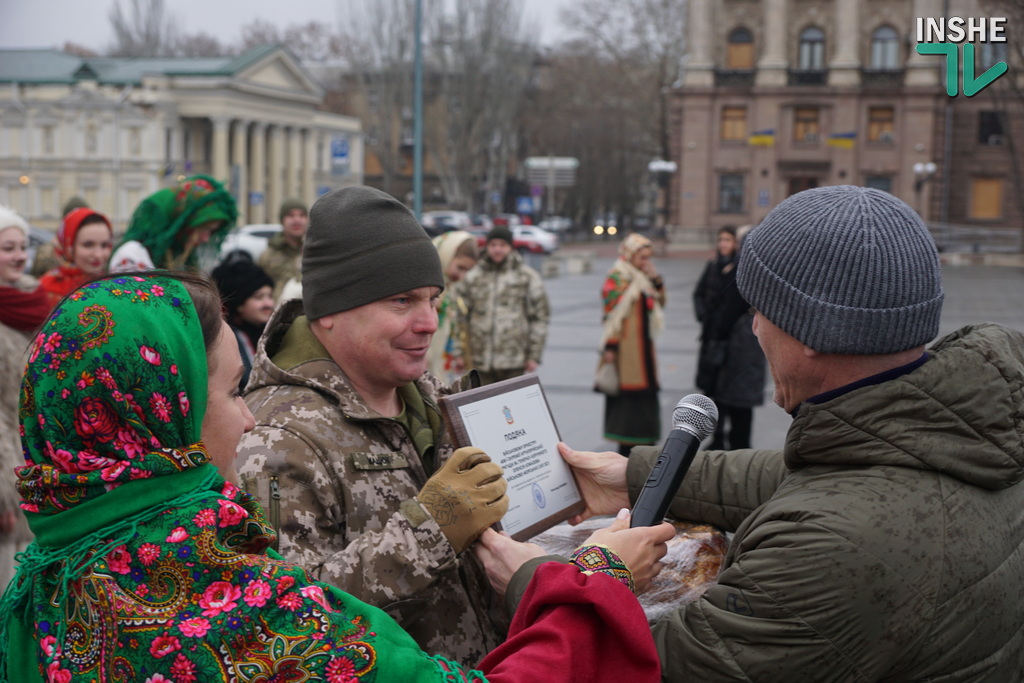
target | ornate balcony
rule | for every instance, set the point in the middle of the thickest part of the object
(734, 78)
(808, 76)
(881, 78)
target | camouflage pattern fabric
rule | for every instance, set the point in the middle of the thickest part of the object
(342, 478)
(507, 313)
(281, 261)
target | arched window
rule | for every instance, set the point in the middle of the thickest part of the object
(885, 48)
(740, 49)
(812, 49)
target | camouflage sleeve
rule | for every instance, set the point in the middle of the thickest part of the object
(303, 491)
(538, 313)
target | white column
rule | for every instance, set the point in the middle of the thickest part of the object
(275, 166)
(771, 68)
(700, 68)
(220, 147)
(845, 66)
(240, 161)
(924, 70)
(307, 191)
(258, 211)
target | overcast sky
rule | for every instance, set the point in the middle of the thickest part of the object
(50, 23)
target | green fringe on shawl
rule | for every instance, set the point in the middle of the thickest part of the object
(99, 528)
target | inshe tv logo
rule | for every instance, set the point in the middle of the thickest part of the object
(941, 37)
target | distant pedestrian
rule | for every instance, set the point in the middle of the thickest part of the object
(730, 365)
(84, 242)
(448, 356)
(507, 311)
(634, 297)
(248, 304)
(282, 259)
(23, 308)
(169, 226)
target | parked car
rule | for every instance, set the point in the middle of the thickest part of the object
(556, 224)
(526, 239)
(510, 219)
(534, 239)
(439, 222)
(249, 238)
(480, 221)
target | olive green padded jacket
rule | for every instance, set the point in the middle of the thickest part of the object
(885, 543)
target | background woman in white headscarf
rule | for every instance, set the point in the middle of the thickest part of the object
(634, 295)
(459, 252)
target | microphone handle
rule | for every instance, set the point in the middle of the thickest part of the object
(665, 478)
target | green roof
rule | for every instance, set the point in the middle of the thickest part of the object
(53, 66)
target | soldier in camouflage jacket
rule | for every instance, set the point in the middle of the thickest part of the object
(281, 259)
(506, 311)
(342, 481)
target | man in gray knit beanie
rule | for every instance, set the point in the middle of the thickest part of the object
(839, 271)
(350, 449)
(884, 541)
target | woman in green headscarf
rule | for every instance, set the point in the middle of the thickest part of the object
(169, 225)
(150, 565)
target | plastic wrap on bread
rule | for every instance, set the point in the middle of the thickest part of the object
(692, 565)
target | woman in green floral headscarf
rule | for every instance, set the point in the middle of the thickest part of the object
(170, 225)
(149, 564)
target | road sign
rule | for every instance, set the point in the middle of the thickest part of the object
(524, 205)
(551, 171)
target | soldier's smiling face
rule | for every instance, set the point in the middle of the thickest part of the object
(383, 345)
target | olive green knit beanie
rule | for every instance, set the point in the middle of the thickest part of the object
(363, 245)
(289, 204)
(844, 269)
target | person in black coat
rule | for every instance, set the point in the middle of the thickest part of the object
(731, 365)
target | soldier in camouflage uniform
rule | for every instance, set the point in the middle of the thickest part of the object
(506, 311)
(349, 438)
(281, 260)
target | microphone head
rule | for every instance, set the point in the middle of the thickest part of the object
(697, 414)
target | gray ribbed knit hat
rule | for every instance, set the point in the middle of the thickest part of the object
(363, 245)
(844, 269)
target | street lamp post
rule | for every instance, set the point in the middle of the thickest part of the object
(662, 171)
(923, 173)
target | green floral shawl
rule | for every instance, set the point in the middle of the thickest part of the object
(161, 221)
(147, 566)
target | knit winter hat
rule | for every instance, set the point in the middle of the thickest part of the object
(10, 219)
(289, 204)
(500, 232)
(238, 280)
(363, 245)
(74, 202)
(844, 269)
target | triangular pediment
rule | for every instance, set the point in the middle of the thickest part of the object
(279, 71)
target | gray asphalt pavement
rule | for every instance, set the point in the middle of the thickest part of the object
(974, 293)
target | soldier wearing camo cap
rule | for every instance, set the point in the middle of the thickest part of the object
(350, 453)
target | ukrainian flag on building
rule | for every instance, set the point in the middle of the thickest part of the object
(842, 140)
(762, 138)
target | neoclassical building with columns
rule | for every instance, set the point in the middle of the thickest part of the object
(114, 130)
(784, 95)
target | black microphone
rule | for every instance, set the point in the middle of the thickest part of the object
(693, 421)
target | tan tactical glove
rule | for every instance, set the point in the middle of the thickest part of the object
(465, 496)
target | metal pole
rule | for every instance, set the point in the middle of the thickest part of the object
(417, 163)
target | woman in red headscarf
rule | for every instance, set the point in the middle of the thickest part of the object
(84, 243)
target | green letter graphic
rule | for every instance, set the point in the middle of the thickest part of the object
(952, 62)
(973, 86)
